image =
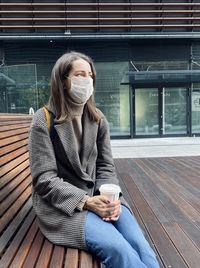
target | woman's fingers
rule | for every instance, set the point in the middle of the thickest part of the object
(103, 207)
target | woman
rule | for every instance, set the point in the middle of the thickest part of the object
(68, 171)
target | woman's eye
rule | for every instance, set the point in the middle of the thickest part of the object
(79, 75)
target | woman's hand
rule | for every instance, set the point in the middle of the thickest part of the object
(99, 204)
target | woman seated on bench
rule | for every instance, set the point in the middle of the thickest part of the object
(68, 170)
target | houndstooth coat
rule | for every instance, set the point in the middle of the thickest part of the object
(61, 178)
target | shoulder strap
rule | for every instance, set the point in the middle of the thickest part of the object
(47, 115)
(50, 122)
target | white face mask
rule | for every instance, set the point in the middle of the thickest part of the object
(81, 89)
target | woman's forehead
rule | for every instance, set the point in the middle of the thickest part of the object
(81, 65)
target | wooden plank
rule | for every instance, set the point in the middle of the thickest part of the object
(57, 259)
(45, 255)
(13, 121)
(14, 163)
(10, 140)
(172, 204)
(14, 246)
(186, 248)
(13, 147)
(165, 247)
(24, 247)
(85, 260)
(34, 251)
(71, 258)
(8, 216)
(14, 225)
(13, 184)
(17, 126)
(12, 198)
(10, 116)
(13, 173)
(11, 133)
(12, 155)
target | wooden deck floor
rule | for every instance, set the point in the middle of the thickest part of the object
(164, 194)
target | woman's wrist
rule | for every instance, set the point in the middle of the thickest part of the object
(86, 204)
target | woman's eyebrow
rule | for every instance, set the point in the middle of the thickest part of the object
(81, 71)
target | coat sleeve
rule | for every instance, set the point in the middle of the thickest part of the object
(46, 183)
(105, 169)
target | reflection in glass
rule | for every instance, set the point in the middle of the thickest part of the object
(146, 111)
(112, 98)
(174, 111)
(18, 88)
(196, 111)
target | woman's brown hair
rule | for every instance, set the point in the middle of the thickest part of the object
(58, 96)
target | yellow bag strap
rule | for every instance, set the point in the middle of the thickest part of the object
(47, 115)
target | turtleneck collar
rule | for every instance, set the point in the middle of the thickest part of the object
(75, 109)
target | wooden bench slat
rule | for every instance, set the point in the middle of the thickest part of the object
(71, 258)
(13, 117)
(24, 247)
(8, 157)
(13, 184)
(14, 127)
(13, 173)
(14, 164)
(86, 260)
(12, 147)
(11, 133)
(45, 255)
(34, 252)
(15, 244)
(7, 217)
(14, 225)
(10, 140)
(57, 258)
(7, 123)
(14, 195)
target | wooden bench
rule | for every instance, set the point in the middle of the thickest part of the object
(162, 192)
(21, 242)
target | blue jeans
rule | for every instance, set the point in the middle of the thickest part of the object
(119, 244)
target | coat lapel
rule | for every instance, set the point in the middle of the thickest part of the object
(89, 137)
(66, 134)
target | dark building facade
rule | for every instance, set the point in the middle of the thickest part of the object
(146, 53)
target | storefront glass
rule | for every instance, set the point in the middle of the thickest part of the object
(174, 110)
(112, 97)
(196, 109)
(146, 111)
(18, 88)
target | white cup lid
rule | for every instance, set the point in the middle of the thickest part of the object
(110, 188)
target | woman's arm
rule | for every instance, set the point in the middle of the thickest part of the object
(105, 169)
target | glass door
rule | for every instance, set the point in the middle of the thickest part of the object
(174, 111)
(146, 111)
(196, 112)
(163, 111)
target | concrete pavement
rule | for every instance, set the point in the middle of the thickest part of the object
(156, 147)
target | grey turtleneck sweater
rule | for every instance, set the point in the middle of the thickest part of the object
(76, 112)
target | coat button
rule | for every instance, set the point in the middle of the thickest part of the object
(90, 184)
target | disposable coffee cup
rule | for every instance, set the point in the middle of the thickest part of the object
(111, 191)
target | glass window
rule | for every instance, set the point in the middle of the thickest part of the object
(113, 98)
(18, 88)
(196, 109)
(174, 111)
(146, 111)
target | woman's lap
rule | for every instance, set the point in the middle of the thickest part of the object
(123, 238)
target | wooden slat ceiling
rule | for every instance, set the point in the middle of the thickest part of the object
(99, 17)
